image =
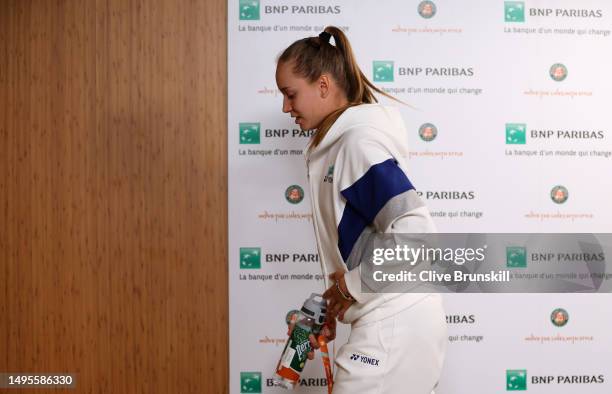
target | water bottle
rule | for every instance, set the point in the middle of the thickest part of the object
(309, 320)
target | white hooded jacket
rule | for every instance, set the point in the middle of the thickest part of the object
(358, 184)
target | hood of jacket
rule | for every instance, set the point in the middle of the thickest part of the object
(386, 119)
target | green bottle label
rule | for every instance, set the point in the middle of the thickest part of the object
(296, 350)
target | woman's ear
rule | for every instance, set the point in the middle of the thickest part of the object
(324, 85)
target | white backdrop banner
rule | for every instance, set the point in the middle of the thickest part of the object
(510, 132)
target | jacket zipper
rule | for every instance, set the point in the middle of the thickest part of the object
(316, 230)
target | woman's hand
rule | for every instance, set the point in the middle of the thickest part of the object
(328, 331)
(337, 303)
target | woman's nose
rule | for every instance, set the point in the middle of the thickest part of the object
(286, 105)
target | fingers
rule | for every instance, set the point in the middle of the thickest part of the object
(290, 329)
(314, 345)
(336, 309)
(313, 341)
(291, 319)
(329, 333)
(332, 303)
(328, 293)
(325, 331)
(334, 277)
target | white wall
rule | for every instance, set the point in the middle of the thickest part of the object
(511, 193)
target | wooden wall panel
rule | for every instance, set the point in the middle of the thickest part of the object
(113, 193)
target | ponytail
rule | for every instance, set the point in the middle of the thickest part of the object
(314, 56)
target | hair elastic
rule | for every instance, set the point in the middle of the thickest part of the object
(325, 36)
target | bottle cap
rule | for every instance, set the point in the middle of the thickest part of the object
(315, 307)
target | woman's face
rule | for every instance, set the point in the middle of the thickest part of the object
(307, 102)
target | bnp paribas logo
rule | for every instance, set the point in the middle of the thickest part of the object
(428, 132)
(427, 9)
(514, 11)
(559, 194)
(516, 257)
(248, 10)
(250, 133)
(250, 258)
(516, 379)
(559, 317)
(558, 72)
(515, 133)
(250, 382)
(294, 194)
(383, 70)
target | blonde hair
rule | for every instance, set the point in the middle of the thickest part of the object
(313, 56)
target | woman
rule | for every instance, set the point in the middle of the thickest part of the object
(357, 174)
